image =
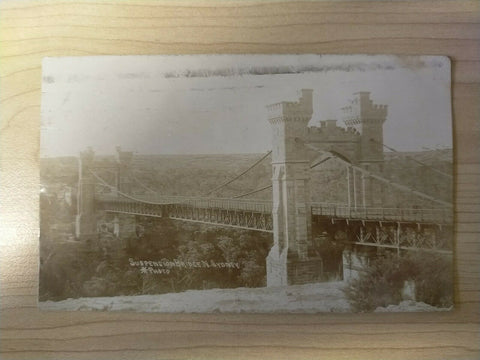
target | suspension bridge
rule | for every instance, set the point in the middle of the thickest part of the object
(377, 212)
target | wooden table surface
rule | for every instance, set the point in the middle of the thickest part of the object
(31, 30)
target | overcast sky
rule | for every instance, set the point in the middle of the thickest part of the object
(179, 105)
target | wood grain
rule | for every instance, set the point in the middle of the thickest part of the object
(31, 30)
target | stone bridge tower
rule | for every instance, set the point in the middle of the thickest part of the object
(291, 196)
(123, 224)
(85, 222)
(367, 118)
(123, 180)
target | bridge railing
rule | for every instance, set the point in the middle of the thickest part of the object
(437, 215)
(261, 206)
(333, 210)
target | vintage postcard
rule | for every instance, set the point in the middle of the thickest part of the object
(246, 183)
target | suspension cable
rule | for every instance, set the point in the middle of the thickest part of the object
(109, 169)
(270, 186)
(320, 162)
(104, 183)
(242, 173)
(253, 192)
(384, 180)
(398, 186)
(415, 160)
(143, 185)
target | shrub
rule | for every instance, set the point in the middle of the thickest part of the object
(433, 278)
(382, 281)
(379, 285)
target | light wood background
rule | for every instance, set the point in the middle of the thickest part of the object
(31, 30)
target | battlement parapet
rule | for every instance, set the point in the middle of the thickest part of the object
(375, 112)
(300, 110)
(361, 109)
(329, 131)
(370, 107)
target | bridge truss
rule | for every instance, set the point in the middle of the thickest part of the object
(243, 214)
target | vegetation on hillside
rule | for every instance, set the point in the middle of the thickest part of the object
(102, 266)
(383, 280)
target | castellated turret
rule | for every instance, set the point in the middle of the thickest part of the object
(289, 120)
(367, 118)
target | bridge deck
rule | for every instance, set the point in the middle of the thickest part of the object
(261, 206)
(442, 216)
(153, 206)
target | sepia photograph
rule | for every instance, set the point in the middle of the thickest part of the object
(246, 184)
